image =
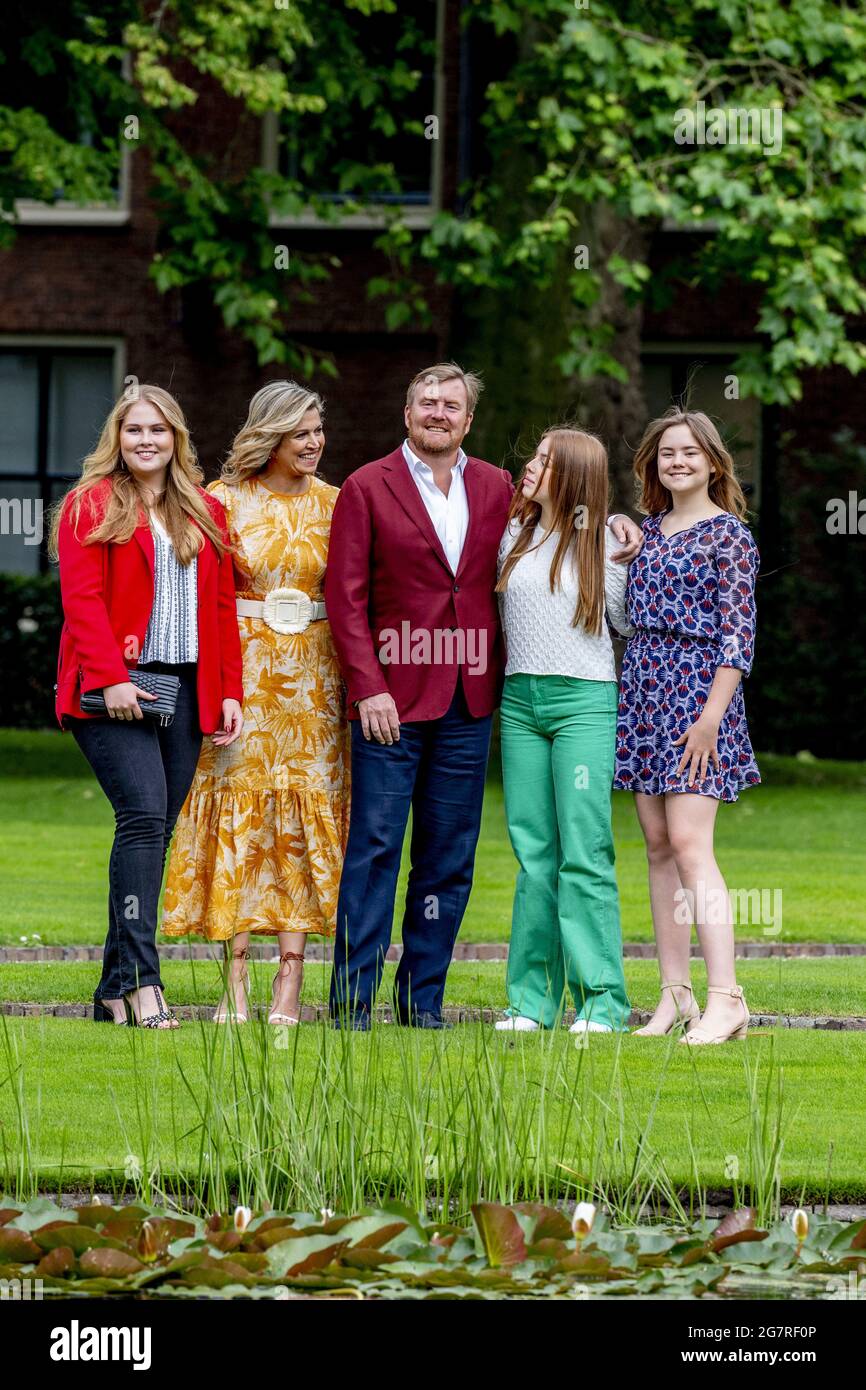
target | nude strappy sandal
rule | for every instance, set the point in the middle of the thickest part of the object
(683, 1022)
(739, 1031)
(229, 1014)
(277, 1018)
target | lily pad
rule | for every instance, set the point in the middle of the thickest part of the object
(78, 1238)
(373, 1231)
(549, 1224)
(37, 1213)
(57, 1263)
(737, 1226)
(225, 1240)
(584, 1263)
(108, 1263)
(291, 1257)
(17, 1246)
(361, 1257)
(219, 1275)
(501, 1234)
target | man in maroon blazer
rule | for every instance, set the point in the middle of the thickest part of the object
(409, 591)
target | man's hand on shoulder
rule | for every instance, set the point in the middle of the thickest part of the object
(379, 718)
(629, 535)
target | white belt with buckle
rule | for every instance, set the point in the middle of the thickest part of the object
(284, 610)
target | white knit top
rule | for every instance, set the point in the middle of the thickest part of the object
(539, 637)
(172, 632)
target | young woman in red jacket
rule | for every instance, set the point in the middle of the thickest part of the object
(146, 582)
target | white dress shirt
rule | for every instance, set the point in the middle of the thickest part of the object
(450, 515)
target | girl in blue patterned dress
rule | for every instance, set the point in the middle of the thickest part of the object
(682, 739)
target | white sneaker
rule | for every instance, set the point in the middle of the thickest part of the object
(583, 1025)
(516, 1025)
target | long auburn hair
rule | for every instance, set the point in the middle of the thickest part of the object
(577, 462)
(274, 411)
(181, 508)
(724, 489)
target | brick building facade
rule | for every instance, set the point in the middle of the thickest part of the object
(79, 312)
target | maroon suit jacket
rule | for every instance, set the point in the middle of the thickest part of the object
(107, 595)
(401, 620)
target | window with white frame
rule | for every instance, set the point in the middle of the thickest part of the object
(79, 106)
(382, 152)
(54, 398)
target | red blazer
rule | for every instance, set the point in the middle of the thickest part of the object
(400, 618)
(107, 595)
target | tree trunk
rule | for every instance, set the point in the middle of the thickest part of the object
(619, 407)
(515, 337)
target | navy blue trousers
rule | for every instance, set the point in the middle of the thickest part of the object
(437, 768)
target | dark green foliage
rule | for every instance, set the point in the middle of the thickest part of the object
(807, 689)
(28, 659)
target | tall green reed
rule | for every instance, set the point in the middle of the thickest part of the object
(310, 1117)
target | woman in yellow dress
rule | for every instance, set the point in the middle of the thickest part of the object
(258, 848)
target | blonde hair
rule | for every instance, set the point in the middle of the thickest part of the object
(274, 411)
(724, 489)
(182, 507)
(579, 479)
(448, 371)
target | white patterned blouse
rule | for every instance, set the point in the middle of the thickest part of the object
(172, 632)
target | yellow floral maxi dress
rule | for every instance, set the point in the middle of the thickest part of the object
(260, 840)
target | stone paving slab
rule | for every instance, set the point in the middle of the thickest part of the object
(312, 1013)
(473, 952)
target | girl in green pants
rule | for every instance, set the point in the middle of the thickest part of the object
(557, 580)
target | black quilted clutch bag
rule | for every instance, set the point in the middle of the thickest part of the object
(158, 683)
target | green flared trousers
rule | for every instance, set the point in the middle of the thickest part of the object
(558, 736)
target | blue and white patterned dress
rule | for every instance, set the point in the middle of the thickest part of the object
(691, 601)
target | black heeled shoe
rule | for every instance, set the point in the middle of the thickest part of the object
(103, 1015)
(162, 1017)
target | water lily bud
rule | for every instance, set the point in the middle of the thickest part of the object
(147, 1246)
(800, 1222)
(243, 1217)
(581, 1222)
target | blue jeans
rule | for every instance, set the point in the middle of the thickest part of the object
(437, 768)
(146, 772)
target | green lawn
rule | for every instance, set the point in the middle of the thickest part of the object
(834, 986)
(340, 1108)
(801, 834)
(328, 1118)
